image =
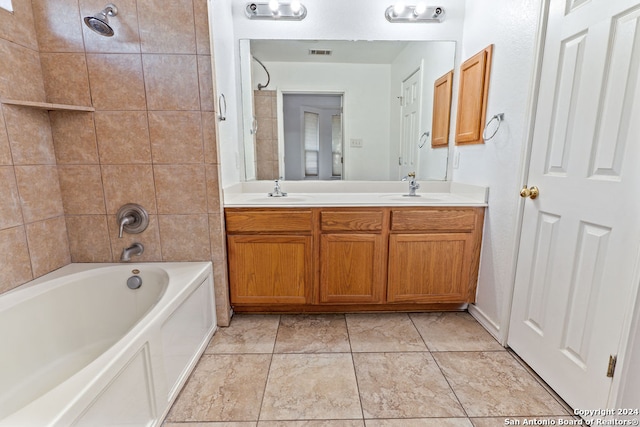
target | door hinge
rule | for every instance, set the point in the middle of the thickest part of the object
(612, 365)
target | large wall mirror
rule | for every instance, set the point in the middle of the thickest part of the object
(341, 110)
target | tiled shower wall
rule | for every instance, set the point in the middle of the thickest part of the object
(267, 135)
(33, 235)
(151, 139)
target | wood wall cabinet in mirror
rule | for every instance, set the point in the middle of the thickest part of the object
(472, 97)
(441, 110)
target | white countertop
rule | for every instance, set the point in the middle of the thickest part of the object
(354, 193)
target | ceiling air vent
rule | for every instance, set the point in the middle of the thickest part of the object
(320, 52)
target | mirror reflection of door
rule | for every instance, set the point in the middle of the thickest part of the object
(410, 121)
(312, 136)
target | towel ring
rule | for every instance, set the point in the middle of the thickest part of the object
(499, 117)
(425, 136)
(222, 108)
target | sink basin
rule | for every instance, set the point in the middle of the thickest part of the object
(409, 199)
(277, 200)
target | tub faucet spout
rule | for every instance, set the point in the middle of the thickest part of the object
(135, 249)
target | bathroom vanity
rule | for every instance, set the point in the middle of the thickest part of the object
(352, 250)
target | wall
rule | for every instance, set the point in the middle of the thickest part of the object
(512, 28)
(352, 20)
(33, 235)
(366, 107)
(435, 59)
(150, 141)
(266, 139)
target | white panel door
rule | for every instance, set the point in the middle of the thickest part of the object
(410, 122)
(580, 236)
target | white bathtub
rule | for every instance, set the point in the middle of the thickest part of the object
(79, 348)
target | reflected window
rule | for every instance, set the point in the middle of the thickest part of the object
(311, 143)
(336, 145)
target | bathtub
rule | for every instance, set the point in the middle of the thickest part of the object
(78, 347)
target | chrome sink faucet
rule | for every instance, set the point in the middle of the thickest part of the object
(413, 185)
(135, 249)
(277, 191)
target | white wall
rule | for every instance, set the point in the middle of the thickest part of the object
(435, 59)
(328, 20)
(366, 107)
(225, 49)
(512, 28)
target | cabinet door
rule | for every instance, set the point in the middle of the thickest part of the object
(270, 269)
(429, 267)
(352, 268)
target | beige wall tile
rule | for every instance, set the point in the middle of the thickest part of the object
(205, 75)
(213, 189)
(74, 137)
(39, 192)
(89, 238)
(185, 237)
(218, 239)
(123, 137)
(29, 136)
(10, 210)
(262, 102)
(125, 26)
(66, 79)
(81, 188)
(265, 129)
(210, 146)
(58, 32)
(177, 22)
(15, 265)
(176, 136)
(128, 184)
(48, 245)
(150, 238)
(180, 189)
(21, 72)
(164, 90)
(18, 26)
(5, 150)
(116, 81)
(201, 15)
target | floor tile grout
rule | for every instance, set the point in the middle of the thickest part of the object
(353, 366)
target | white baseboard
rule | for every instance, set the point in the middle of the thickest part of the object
(492, 327)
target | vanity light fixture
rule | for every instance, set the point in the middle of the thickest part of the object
(294, 11)
(399, 12)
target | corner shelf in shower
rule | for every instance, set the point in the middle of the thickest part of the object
(47, 106)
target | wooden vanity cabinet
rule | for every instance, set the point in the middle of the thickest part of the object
(353, 256)
(434, 255)
(270, 256)
(353, 259)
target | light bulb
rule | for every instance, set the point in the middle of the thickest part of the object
(398, 8)
(295, 6)
(420, 9)
(273, 5)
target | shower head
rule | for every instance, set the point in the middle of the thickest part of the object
(100, 21)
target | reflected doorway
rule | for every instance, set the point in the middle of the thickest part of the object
(313, 136)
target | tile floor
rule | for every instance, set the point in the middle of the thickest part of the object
(373, 370)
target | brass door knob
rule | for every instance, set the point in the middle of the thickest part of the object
(531, 193)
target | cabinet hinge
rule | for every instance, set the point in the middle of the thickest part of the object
(612, 365)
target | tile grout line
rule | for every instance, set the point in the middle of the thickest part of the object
(355, 372)
(264, 390)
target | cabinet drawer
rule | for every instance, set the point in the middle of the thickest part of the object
(351, 221)
(255, 221)
(433, 219)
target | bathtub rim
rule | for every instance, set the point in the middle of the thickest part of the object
(67, 401)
